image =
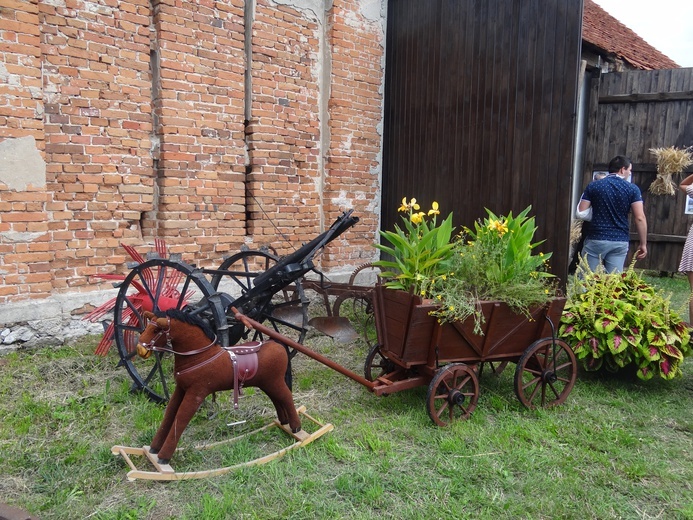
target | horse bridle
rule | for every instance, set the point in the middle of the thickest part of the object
(151, 345)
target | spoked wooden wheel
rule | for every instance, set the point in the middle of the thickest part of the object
(157, 286)
(545, 373)
(376, 364)
(452, 394)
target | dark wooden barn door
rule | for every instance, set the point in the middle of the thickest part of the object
(480, 103)
(631, 113)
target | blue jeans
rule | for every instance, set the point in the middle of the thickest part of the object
(612, 254)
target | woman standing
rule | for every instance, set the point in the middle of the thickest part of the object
(686, 265)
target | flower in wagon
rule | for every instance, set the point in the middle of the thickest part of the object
(416, 252)
(494, 262)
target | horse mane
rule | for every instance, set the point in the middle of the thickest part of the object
(192, 319)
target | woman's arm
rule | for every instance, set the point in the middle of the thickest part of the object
(686, 182)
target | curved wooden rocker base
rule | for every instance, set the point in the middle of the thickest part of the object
(166, 472)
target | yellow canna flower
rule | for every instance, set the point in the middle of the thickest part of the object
(414, 205)
(404, 206)
(498, 226)
(434, 209)
(417, 218)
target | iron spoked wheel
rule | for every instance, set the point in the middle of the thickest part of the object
(376, 364)
(545, 373)
(157, 286)
(286, 310)
(242, 268)
(452, 394)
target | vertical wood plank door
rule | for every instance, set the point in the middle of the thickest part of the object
(480, 105)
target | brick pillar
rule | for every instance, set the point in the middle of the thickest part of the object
(25, 250)
(353, 162)
(200, 132)
(98, 127)
(284, 181)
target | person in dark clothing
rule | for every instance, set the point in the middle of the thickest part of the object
(612, 199)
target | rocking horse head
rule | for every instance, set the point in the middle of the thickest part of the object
(157, 335)
(202, 367)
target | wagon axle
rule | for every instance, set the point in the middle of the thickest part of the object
(549, 376)
(456, 398)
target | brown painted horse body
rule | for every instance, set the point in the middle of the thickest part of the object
(206, 369)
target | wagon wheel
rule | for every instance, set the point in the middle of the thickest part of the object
(376, 364)
(359, 305)
(545, 373)
(286, 311)
(452, 394)
(159, 285)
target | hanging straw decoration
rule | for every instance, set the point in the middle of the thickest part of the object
(670, 161)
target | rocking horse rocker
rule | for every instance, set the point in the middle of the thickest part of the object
(202, 367)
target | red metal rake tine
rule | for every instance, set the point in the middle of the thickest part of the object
(160, 246)
(146, 273)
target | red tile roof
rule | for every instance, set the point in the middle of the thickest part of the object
(604, 31)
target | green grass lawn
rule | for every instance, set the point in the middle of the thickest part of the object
(618, 448)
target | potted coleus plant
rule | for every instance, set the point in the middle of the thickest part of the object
(614, 321)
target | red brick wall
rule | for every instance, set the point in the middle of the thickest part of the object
(24, 269)
(284, 128)
(353, 157)
(200, 108)
(179, 148)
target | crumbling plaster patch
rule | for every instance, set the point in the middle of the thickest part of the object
(21, 164)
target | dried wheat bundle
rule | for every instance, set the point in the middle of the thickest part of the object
(670, 161)
(575, 232)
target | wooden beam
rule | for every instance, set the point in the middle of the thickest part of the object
(654, 237)
(685, 95)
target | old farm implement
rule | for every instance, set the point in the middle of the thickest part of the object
(265, 287)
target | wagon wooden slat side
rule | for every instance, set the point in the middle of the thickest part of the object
(409, 336)
(416, 349)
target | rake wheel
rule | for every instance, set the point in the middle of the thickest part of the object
(159, 285)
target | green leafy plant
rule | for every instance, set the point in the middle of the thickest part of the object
(418, 251)
(617, 320)
(494, 262)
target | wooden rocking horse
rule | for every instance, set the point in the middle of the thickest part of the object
(201, 367)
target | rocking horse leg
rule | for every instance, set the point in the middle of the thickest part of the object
(169, 416)
(283, 402)
(190, 404)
